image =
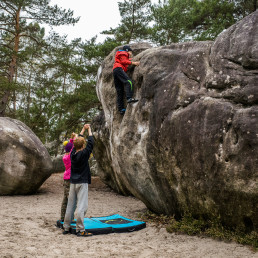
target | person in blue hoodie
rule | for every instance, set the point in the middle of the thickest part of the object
(79, 180)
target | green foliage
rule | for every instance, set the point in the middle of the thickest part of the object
(244, 7)
(182, 20)
(59, 86)
(16, 32)
(135, 18)
(41, 11)
(209, 18)
(171, 20)
(6, 85)
(212, 227)
(60, 92)
(96, 52)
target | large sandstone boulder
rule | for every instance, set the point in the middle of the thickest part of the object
(25, 163)
(191, 142)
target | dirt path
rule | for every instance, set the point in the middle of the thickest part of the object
(27, 229)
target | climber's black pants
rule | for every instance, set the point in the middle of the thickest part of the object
(121, 79)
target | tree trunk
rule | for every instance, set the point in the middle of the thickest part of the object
(64, 84)
(27, 112)
(132, 29)
(12, 66)
(14, 96)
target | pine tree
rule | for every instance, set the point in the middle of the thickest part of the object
(182, 20)
(14, 26)
(135, 18)
(170, 20)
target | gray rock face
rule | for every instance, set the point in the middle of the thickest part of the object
(25, 163)
(58, 164)
(191, 142)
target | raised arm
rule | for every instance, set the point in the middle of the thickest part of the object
(82, 131)
(73, 137)
(87, 127)
(89, 146)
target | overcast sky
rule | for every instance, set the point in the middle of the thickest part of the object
(96, 16)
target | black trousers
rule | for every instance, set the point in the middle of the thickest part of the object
(121, 79)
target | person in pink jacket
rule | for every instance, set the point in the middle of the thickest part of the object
(67, 174)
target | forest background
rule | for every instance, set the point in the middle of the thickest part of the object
(48, 82)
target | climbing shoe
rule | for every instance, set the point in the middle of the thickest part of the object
(84, 234)
(131, 100)
(122, 111)
(65, 232)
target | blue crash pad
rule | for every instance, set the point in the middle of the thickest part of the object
(120, 223)
(109, 224)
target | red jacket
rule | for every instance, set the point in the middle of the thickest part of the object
(122, 60)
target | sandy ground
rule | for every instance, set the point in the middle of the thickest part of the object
(27, 229)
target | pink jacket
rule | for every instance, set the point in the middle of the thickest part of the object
(67, 163)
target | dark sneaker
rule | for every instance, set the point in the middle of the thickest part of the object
(122, 111)
(65, 232)
(84, 234)
(131, 100)
(59, 224)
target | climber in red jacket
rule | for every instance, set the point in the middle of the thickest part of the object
(122, 60)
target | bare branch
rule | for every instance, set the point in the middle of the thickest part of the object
(7, 74)
(12, 39)
(6, 46)
(6, 40)
(9, 5)
(7, 10)
(7, 24)
(4, 63)
(29, 36)
(29, 18)
(34, 18)
(5, 19)
(7, 30)
(24, 70)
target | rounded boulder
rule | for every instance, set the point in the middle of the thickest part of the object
(25, 163)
